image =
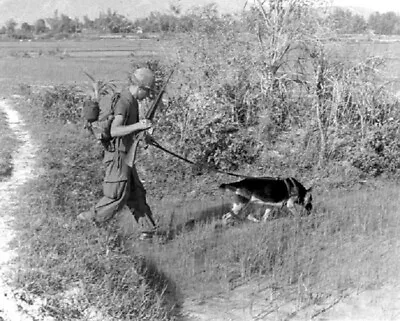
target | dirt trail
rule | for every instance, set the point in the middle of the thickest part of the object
(23, 170)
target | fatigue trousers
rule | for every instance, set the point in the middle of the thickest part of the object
(122, 186)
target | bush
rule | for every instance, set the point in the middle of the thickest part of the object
(380, 151)
(62, 103)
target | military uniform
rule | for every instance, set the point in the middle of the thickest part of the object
(121, 185)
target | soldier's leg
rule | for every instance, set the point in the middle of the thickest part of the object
(138, 203)
(114, 191)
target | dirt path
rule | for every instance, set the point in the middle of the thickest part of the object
(23, 166)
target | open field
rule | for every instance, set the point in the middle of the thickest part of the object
(54, 62)
(349, 242)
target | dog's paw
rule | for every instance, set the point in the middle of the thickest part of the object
(229, 219)
(250, 217)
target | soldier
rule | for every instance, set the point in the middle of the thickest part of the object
(122, 186)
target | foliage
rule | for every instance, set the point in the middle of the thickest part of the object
(62, 24)
(234, 93)
(111, 22)
(346, 22)
(385, 23)
(239, 93)
(177, 21)
(380, 150)
(60, 103)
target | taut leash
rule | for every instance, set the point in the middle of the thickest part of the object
(151, 141)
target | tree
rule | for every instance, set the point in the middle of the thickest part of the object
(66, 25)
(176, 8)
(53, 22)
(26, 27)
(340, 19)
(10, 26)
(343, 21)
(40, 26)
(385, 23)
(113, 22)
(87, 22)
(358, 24)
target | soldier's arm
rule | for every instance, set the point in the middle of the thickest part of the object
(118, 129)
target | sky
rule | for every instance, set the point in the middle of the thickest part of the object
(378, 5)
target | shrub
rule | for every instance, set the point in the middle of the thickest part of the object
(61, 103)
(380, 150)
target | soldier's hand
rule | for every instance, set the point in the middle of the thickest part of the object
(145, 124)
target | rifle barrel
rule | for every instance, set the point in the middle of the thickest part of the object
(150, 113)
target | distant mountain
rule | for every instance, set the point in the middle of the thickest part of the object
(31, 10)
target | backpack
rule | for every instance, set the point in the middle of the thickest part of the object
(104, 124)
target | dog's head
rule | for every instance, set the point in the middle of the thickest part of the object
(306, 199)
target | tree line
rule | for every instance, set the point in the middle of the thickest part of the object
(346, 22)
(341, 20)
(110, 22)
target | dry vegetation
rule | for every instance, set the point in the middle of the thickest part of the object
(349, 242)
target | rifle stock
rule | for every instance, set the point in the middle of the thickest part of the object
(131, 155)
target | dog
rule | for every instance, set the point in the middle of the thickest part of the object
(274, 192)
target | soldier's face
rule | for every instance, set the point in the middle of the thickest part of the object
(142, 93)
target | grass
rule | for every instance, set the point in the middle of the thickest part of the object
(349, 242)
(9, 143)
(343, 244)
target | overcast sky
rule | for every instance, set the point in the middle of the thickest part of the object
(378, 5)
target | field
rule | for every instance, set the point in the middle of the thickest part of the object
(62, 62)
(350, 242)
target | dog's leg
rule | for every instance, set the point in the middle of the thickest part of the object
(250, 217)
(291, 207)
(237, 207)
(233, 215)
(266, 214)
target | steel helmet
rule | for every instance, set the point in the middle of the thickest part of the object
(143, 77)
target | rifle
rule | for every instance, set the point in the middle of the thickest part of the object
(131, 155)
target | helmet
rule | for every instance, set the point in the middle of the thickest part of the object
(143, 77)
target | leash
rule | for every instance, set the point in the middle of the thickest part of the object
(150, 140)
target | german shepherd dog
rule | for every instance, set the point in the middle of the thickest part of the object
(274, 192)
